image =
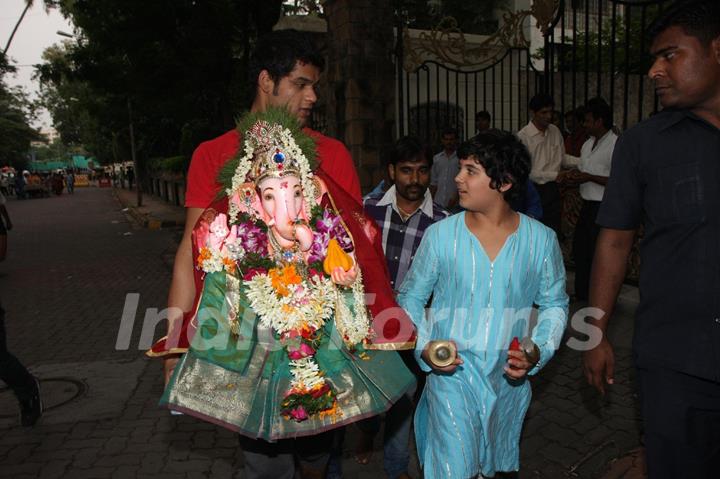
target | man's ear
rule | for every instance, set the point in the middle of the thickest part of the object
(265, 82)
(715, 48)
(391, 171)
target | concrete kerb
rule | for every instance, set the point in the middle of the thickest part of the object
(150, 220)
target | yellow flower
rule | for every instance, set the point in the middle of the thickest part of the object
(282, 278)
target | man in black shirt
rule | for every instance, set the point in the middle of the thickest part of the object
(666, 175)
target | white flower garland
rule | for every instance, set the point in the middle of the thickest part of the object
(307, 304)
(306, 374)
(353, 328)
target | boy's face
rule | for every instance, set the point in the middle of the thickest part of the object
(296, 91)
(411, 178)
(473, 184)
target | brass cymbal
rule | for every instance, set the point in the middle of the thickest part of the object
(442, 353)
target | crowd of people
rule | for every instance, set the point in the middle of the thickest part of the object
(37, 184)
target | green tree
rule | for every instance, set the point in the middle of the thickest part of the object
(16, 115)
(180, 65)
(623, 48)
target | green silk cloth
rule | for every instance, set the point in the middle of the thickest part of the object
(238, 377)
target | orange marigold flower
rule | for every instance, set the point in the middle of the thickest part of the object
(229, 265)
(282, 278)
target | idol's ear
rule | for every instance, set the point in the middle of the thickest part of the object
(248, 201)
(320, 188)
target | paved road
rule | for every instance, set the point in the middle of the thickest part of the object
(76, 262)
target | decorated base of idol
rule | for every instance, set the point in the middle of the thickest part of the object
(281, 339)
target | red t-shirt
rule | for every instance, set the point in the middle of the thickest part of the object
(203, 187)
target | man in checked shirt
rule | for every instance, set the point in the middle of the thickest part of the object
(403, 213)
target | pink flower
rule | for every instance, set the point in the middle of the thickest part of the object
(302, 351)
(252, 272)
(315, 274)
(295, 355)
(307, 349)
(299, 414)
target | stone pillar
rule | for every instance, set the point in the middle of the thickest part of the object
(361, 81)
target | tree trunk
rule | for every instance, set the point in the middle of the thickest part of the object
(361, 81)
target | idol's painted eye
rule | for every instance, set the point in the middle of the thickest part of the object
(268, 197)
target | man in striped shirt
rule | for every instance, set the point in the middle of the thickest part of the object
(403, 213)
(406, 209)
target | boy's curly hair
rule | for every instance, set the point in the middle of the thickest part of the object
(504, 158)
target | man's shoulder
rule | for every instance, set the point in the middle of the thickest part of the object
(373, 197)
(525, 130)
(227, 142)
(654, 125)
(439, 213)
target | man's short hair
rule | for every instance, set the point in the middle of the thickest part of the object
(483, 115)
(540, 101)
(697, 18)
(448, 130)
(409, 148)
(600, 110)
(278, 52)
(504, 158)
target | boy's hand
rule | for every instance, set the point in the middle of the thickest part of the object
(517, 366)
(447, 369)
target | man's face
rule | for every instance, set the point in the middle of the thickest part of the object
(592, 125)
(449, 141)
(411, 178)
(543, 117)
(685, 72)
(296, 91)
(482, 124)
(570, 123)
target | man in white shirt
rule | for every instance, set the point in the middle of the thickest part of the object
(592, 174)
(445, 168)
(547, 151)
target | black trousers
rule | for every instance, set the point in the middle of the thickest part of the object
(12, 372)
(551, 204)
(681, 416)
(584, 240)
(276, 460)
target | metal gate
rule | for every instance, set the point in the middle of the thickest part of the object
(580, 49)
(599, 48)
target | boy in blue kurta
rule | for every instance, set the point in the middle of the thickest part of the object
(485, 268)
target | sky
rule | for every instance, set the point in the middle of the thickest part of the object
(37, 31)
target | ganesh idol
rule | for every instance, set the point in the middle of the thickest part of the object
(294, 328)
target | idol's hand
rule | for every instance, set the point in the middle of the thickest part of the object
(344, 278)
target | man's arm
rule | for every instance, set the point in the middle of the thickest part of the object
(608, 273)
(182, 286)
